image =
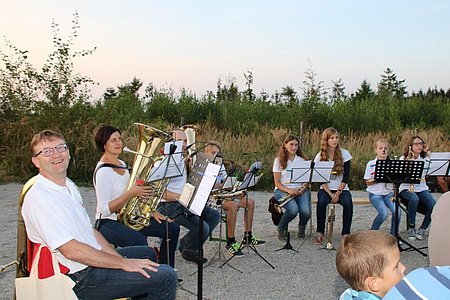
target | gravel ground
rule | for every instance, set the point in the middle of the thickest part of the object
(307, 274)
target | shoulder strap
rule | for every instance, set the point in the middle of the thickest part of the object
(109, 165)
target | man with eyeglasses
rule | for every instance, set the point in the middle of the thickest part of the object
(55, 216)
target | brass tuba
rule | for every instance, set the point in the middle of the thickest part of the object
(136, 213)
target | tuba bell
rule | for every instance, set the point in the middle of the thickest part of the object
(136, 213)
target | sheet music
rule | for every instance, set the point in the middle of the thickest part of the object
(439, 164)
(249, 180)
(170, 166)
(229, 183)
(186, 194)
(305, 171)
(204, 189)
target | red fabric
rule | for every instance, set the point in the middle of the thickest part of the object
(45, 266)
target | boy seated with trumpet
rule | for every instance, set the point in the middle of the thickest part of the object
(231, 207)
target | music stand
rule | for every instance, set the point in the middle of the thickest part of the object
(398, 172)
(439, 164)
(250, 180)
(310, 172)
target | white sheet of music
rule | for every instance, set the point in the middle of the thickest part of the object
(204, 189)
(438, 164)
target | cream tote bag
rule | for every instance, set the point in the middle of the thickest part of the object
(56, 287)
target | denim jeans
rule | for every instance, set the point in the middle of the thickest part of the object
(323, 199)
(413, 201)
(98, 283)
(177, 212)
(382, 204)
(121, 235)
(300, 205)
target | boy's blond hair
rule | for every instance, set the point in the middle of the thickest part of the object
(364, 254)
(384, 141)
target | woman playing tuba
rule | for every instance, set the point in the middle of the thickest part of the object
(110, 180)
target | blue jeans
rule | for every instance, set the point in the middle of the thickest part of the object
(382, 204)
(98, 283)
(177, 212)
(413, 201)
(300, 205)
(323, 199)
(120, 235)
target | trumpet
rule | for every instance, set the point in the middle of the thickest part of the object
(288, 197)
(330, 223)
(410, 157)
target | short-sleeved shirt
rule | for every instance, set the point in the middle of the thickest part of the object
(418, 187)
(287, 173)
(54, 215)
(378, 188)
(109, 185)
(336, 180)
(424, 283)
(351, 294)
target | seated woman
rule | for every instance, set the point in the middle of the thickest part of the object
(288, 153)
(110, 187)
(413, 194)
(336, 191)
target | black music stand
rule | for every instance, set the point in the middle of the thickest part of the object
(439, 165)
(250, 180)
(398, 172)
(310, 172)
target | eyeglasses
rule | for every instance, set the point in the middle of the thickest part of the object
(49, 151)
(418, 143)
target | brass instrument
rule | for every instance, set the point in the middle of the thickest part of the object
(330, 224)
(288, 197)
(190, 131)
(23, 252)
(136, 213)
(410, 157)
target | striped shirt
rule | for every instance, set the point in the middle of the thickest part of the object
(423, 283)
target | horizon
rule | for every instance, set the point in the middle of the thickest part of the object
(175, 44)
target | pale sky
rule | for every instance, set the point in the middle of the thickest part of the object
(192, 44)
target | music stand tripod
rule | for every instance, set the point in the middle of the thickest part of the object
(219, 255)
(249, 180)
(398, 172)
(311, 172)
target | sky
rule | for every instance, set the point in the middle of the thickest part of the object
(193, 44)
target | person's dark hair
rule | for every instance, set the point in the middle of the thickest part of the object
(102, 136)
(422, 154)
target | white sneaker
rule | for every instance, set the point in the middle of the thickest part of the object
(411, 233)
(420, 235)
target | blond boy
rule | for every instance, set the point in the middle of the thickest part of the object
(369, 261)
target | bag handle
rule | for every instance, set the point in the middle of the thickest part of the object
(34, 267)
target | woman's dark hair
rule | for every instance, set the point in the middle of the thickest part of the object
(102, 136)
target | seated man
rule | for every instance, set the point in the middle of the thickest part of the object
(169, 206)
(233, 247)
(55, 216)
(369, 261)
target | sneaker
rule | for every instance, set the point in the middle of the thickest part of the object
(411, 233)
(234, 249)
(193, 256)
(282, 234)
(246, 240)
(420, 234)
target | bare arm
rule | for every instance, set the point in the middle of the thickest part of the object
(171, 196)
(85, 254)
(136, 190)
(281, 186)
